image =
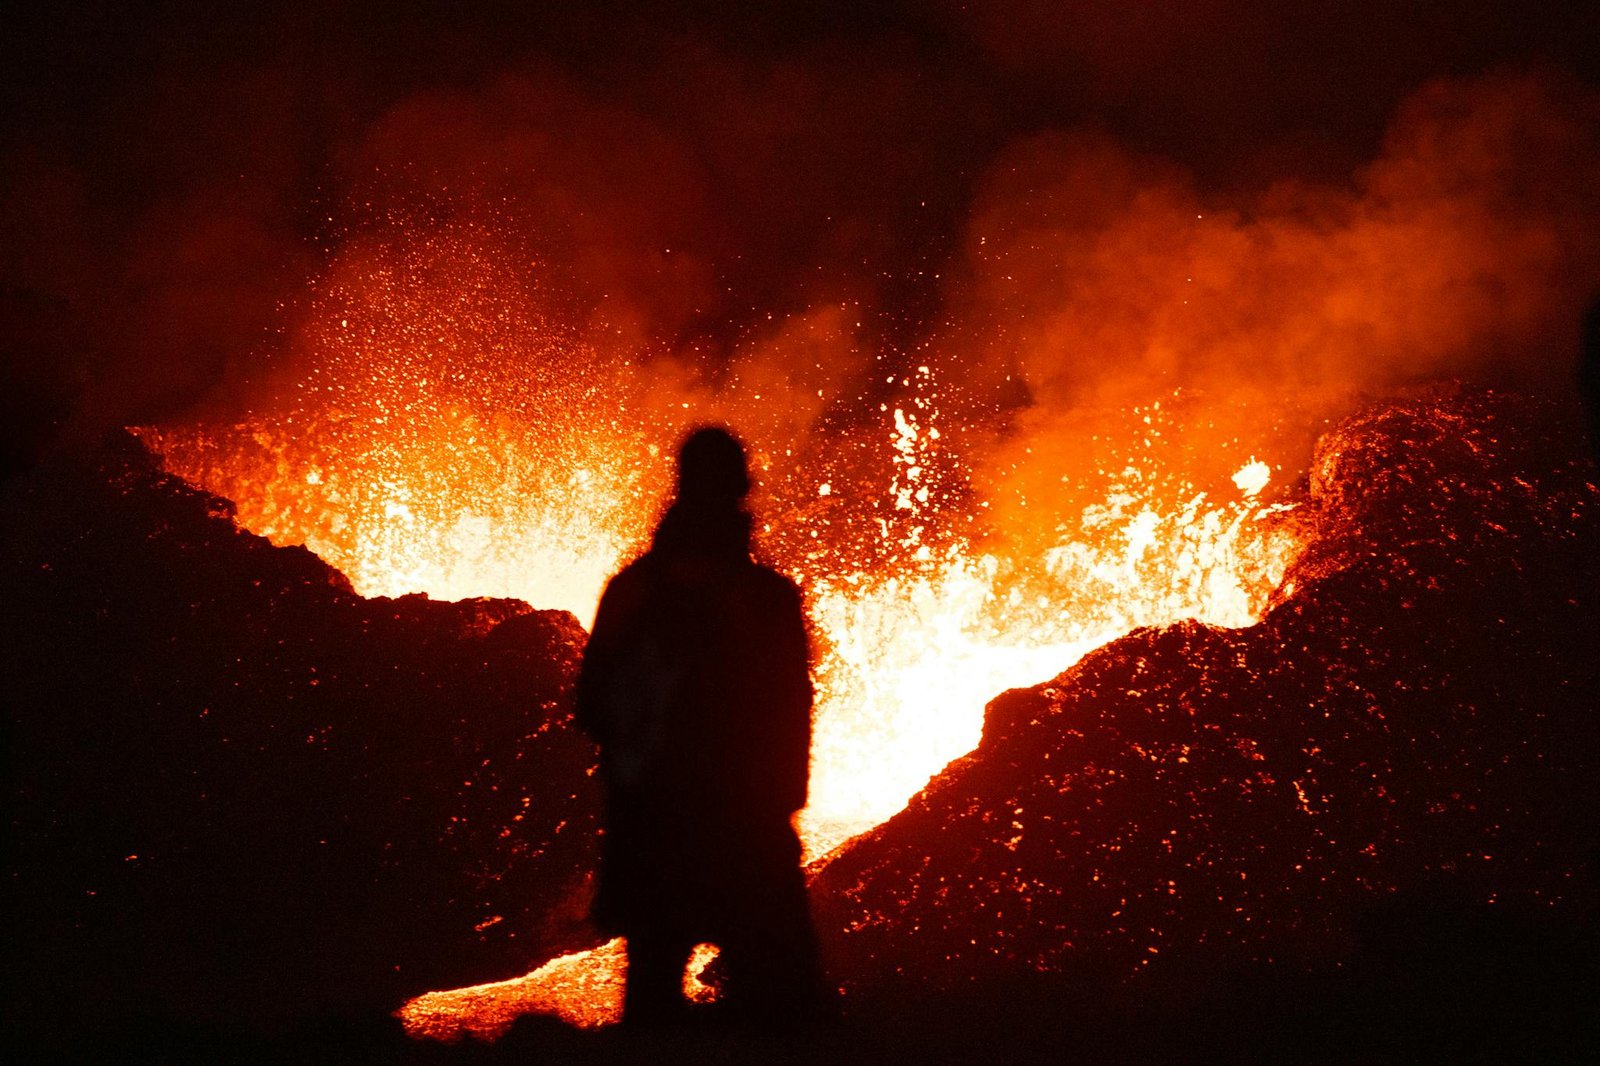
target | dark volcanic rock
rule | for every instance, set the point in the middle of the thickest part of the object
(1414, 720)
(239, 791)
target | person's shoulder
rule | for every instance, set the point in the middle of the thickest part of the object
(631, 581)
(634, 572)
(775, 584)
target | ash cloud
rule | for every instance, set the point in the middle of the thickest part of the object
(1466, 248)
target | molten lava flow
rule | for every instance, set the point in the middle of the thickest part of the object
(448, 437)
(583, 989)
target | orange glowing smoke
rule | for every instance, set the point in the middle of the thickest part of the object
(1094, 439)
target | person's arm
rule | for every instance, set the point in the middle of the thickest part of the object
(597, 668)
(794, 698)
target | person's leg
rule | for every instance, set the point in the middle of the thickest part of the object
(654, 989)
(773, 974)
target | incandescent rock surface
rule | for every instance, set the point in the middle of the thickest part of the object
(1414, 720)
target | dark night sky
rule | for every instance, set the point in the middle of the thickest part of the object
(173, 173)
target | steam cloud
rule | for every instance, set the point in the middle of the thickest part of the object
(1096, 280)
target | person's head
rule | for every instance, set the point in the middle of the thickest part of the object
(711, 468)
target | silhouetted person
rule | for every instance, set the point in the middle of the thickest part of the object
(696, 683)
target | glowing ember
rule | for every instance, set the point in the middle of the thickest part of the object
(448, 436)
(1253, 477)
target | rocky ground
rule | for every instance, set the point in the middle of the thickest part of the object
(251, 810)
(238, 792)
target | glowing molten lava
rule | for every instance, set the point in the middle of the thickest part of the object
(449, 438)
(909, 654)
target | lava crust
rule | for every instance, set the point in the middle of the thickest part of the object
(1411, 726)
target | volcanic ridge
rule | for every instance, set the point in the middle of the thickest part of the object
(243, 796)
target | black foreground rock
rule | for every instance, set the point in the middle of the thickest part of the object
(240, 794)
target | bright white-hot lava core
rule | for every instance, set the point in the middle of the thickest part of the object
(907, 654)
(445, 436)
